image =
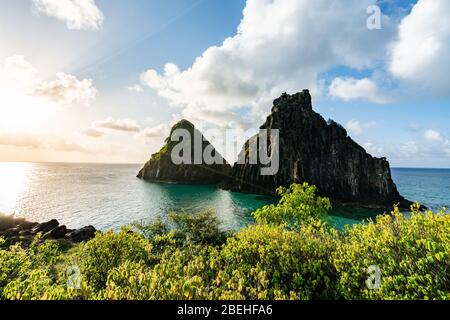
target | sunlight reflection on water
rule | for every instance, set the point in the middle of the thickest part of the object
(14, 184)
(110, 196)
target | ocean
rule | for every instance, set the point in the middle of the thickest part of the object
(109, 196)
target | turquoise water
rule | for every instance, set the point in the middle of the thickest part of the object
(430, 187)
(109, 196)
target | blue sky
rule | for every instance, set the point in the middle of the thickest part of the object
(388, 87)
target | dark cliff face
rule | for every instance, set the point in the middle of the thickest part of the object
(322, 154)
(160, 168)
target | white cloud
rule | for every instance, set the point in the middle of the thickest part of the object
(67, 89)
(421, 55)
(279, 46)
(357, 128)
(135, 88)
(433, 136)
(78, 14)
(126, 125)
(438, 144)
(19, 81)
(350, 89)
(22, 77)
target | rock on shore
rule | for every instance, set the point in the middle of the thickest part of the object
(21, 231)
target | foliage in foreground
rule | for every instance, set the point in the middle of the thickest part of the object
(289, 254)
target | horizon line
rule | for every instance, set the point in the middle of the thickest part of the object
(142, 163)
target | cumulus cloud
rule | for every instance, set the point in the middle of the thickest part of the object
(67, 89)
(22, 78)
(350, 89)
(77, 14)
(126, 125)
(421, 55)
(357, 128)
(435, 144)
(279, 46)
(442, 142)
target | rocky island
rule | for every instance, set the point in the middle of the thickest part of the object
(321, 153)
(160, 168)
(311, 150)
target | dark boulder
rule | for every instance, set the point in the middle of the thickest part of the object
(57, 233)
(81, 235)
(46, 226)
(13, 232)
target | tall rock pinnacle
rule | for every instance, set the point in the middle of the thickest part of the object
(321, 153)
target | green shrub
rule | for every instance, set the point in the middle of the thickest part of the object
(413, 255)
(298, 205)
(193, 228)
(109, 250)
(37, 285)
(264, 262)
(183, 274)
(17, 264)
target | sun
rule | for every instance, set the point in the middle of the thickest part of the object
(22, 112)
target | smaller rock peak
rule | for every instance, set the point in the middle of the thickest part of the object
(183, 124)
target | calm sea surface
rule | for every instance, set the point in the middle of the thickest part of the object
(109, 196)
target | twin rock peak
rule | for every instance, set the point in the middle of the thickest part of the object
(310, 150)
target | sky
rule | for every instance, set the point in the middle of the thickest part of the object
(103, 80)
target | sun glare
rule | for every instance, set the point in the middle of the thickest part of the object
(14, 178)
(20, 112)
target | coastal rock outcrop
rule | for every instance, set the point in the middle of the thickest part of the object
(15, 230)
(161, 168)
(321, 153)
